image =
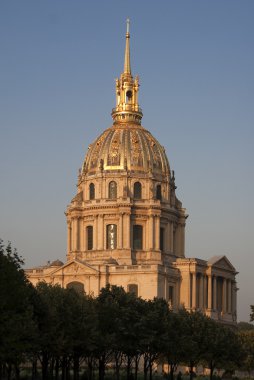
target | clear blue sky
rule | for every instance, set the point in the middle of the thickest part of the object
(195, 60)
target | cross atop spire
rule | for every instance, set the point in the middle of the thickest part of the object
(127, 62)
(128, 25)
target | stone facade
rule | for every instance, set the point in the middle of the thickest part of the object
(127, 227)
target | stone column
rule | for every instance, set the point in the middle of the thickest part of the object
(183, 240)
(234, 300)
(120, 240)
(100, 232)
(214, 293)
(194, 291)
(205, 306)
(229, 296)
(224, 296)
(157, 232)
(84, 237)
(78, 235)
(210, 292)
(167, 237)
(151, 232)
(74, 234)
(171, 236)
(190, 291)
(95, 237)
(81, 234)
(201, 292)
(127, 232)
(69, 238)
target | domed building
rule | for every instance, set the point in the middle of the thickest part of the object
(126, 226)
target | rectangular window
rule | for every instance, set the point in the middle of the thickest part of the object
(133, 288)
(137, 237)
(89, 236)
(171, 296)
(162, 239)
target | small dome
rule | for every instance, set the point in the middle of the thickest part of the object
(56, 263)
(124, 147)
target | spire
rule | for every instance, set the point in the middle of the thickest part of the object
(127, 62)
(127, 109)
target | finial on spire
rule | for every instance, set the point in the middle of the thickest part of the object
(127, 109)
(128, 25)
(127, 62)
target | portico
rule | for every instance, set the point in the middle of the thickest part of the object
(209, 286)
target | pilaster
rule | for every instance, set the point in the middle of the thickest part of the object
(151, 232)
(157, 232)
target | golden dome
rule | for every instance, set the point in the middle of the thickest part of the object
(124, 147)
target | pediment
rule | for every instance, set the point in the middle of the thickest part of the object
(75, 267)
(221, 262)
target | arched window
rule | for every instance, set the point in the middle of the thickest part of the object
(89, 237)
(158, 192)
(111, 236)
(77, 286)
(91, 191)
(112, 190)
(128, 96)
(137, 236)
(133, 288)
(137, 190)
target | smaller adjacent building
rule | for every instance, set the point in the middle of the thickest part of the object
(126, 226)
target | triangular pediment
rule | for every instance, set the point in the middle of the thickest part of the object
(74, 267)
(221, 262)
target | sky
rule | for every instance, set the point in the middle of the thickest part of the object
(195, 61)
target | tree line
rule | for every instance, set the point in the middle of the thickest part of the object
(61, 334)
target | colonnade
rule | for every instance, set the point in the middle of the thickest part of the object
(173, 234)
(77, 238)
(212, 292)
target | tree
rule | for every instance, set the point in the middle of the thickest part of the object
(174, 346)
(247, 341)
(131, 333)
(66, 321)
(16, 313)
(108, 304)
(118, 327)
(222, 348)
(153, 327)
(194, 327)
(245, 326)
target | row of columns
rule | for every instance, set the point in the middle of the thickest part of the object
(77, 239)
(212, 293)
(174, 237)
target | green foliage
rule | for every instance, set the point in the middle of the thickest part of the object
(245, 326)
(247, 340)
(61, 328)
(223, 348)
(194, 327)
(17, 327)
(252, 313)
